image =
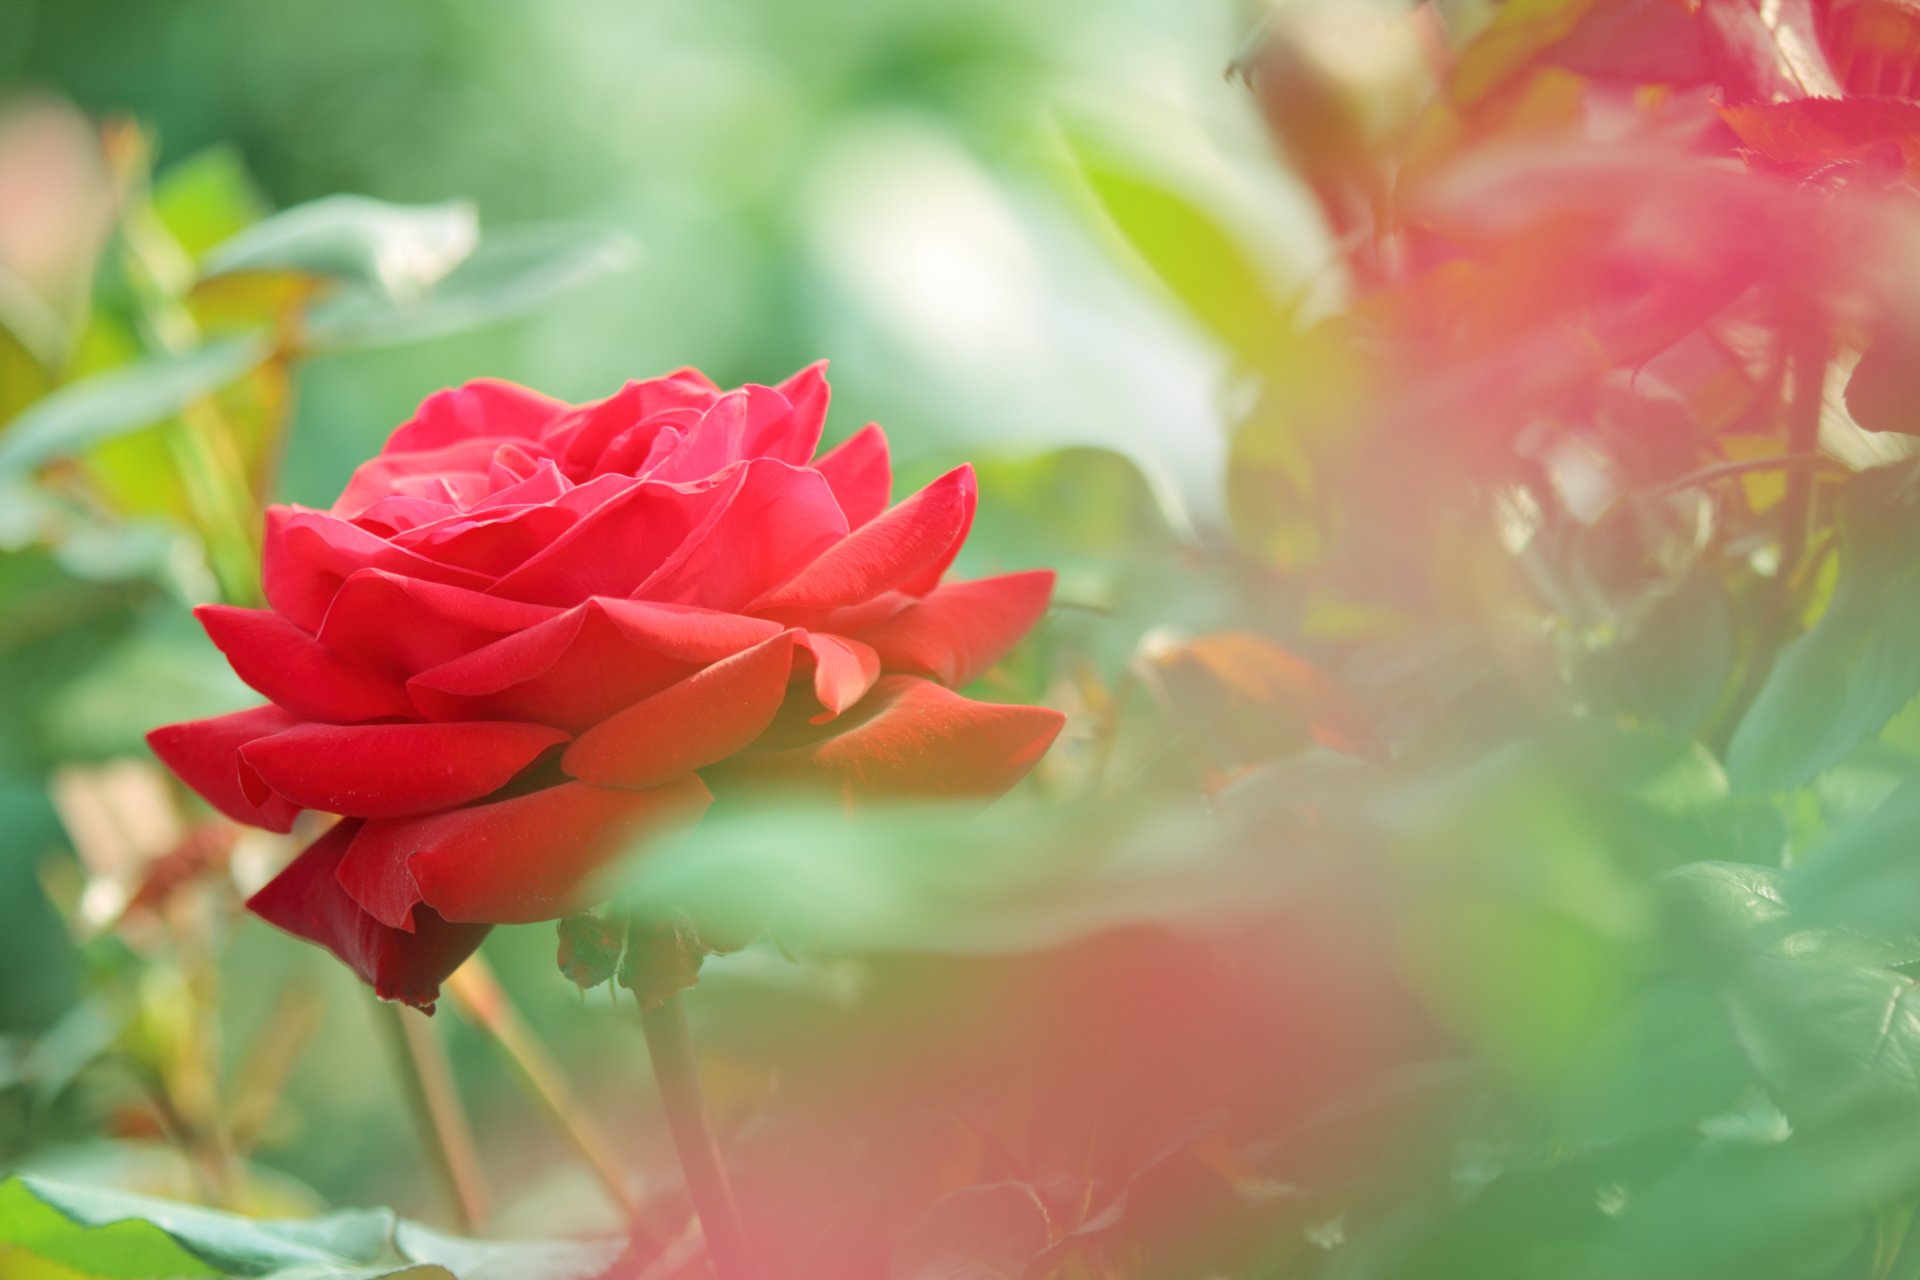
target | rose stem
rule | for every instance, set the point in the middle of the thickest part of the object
(439, 1121)
(479, 997)
(671, 1050)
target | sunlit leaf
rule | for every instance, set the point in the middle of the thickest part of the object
(1836, 686)
(1190, 250)
(515, 271)
(400, 250)
(125, 399)
(355, 1244)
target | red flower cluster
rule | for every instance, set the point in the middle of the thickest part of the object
(528, 633)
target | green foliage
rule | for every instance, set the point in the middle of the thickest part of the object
(1836, 687)
(115, 1236)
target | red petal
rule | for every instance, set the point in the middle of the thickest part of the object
(612, 549)
(807, 391)
(403, 625)
(307, 901)
(909, 737)
(511, 862)
(308, 554)
(205, 754)
(860, 474)
(697, 722)
(776, 519)
(409, 474)
(485, 407)
(583, 435)
(296, 671)
(962, 628)
(843, 671)
(911, 544)
(583, 666)
(753, 422)
(392, 770)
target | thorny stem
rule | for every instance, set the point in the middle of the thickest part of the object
(438, 1118)
(674, 1071)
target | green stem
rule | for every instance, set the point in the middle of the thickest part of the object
(427, 1084)
(478, 996)
(671, 1050)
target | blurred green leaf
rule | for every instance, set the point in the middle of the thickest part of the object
(120, 400)
(360, 1244)
(1203, 264)
(113, 1250)
(1838, 685)
(515, 271)
(400, 250)
(1829, 1041)
(206, 199)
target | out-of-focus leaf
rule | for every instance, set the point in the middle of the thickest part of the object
(120, 400)
(361, 1244)
(115, 1250)
(206, 199)
(1648, 41)
(1724, 902)
(515, 271)
(1864, 875)
(978, 1233)
(1883, 392)
(1674, 666)
(1830, 1041)
(403, 251)
(1767, 50)
(1190, 251)
(929, 878)
(1523, 30)
(1835, 687)
(1243, 691)
(1813, 132)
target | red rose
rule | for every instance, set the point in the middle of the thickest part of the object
(529, 632)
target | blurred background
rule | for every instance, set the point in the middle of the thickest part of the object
(890, 185)
(1476, 442)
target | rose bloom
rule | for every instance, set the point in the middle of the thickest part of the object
(529, 633)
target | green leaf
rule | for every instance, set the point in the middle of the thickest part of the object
(206, 199)
(121, 400)
(1830, 1042)
(123, 1250)
(358, 1244)
(400, 250)
(1838, 685)
(515, 271)
(1202, 263)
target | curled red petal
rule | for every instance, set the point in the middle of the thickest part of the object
(205, 754)
(908, 737)
(907, 548)
(307, 901)
(586, 664)
(701, 720)
(531, 857)
(392, 770)
(860, 474)
(775, 519)
(294, 670)
(843, 671)
(962, 628)
(483, 407)
(403, 625)
(307, 555)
